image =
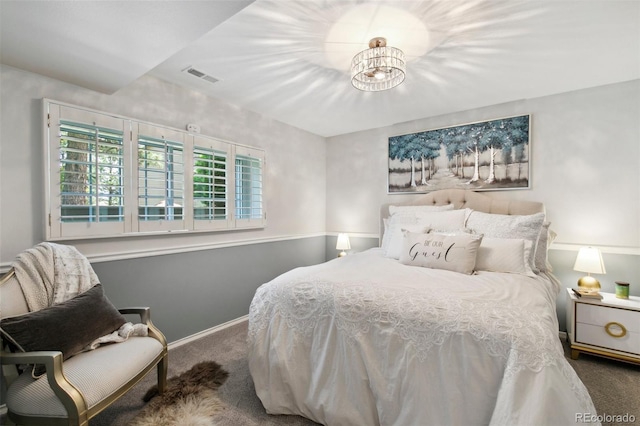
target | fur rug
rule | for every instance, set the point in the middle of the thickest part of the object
(190, 399)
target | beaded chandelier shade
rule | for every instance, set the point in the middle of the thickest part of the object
(380, 67)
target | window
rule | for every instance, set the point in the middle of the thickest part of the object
(87, 173)
(91, 173)
(161, 178)
(211, 183)
(248, 186)
(112, 176)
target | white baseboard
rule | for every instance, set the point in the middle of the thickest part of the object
(206, 332)
(563, 335)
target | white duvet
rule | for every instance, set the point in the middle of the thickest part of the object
(365, 340)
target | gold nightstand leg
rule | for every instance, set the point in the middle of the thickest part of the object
(575, 354)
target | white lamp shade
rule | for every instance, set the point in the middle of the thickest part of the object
(343, 242)
(589, 260)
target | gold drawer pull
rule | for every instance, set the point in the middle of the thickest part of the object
(622, 333)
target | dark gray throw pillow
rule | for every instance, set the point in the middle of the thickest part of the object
(67, 327)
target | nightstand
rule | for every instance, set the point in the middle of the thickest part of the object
(609, 327)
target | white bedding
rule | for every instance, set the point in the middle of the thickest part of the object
(365, 340)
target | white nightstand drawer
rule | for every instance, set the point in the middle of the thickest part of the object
(608, 327)
(597, 336)
(601, 315)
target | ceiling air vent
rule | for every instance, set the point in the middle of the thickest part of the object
(200, 74)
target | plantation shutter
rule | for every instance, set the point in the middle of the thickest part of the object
(161, 178)
(210, 184)
(87, 190)
(249, 196)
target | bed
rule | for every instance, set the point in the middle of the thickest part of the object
(407, 334)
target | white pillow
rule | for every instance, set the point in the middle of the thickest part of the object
(492, 225)
(545, 239)
(451, 232)
(505, 255)
(444, 220)
(394, 247)
(451, 252)
(409, 211)
(393, 227)
(419, 209)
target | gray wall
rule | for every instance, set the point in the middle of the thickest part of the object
(585, 160)
(191, 292)
(620, 267)
(357, 244)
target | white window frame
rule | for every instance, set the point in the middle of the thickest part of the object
(131, 225)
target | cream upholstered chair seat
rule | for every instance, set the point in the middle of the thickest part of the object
(95, 374)
(74, 390)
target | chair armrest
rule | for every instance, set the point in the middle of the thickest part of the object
(143, 311)
(68, 394)
(48, 358)
(145, 318)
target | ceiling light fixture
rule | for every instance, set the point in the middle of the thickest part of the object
(380, 67)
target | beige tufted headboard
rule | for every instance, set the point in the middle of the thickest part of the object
(462, 199)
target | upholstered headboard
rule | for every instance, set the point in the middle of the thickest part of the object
(462, 199)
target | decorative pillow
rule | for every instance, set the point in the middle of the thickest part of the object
(545, 239)
(445, 220)
(505, 255)
(408, 214)
(492, 225)
(392, 229)
(550, 240)
(67, 327)
(438, 251)
(419, 209)
(451, 232)
(396, 240)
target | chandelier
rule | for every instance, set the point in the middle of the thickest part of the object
(380, 67)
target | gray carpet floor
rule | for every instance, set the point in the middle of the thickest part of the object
(614, 386)
(227, 347)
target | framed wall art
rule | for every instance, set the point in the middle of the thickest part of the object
(481, 156)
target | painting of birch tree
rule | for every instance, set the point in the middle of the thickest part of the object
(482, 156)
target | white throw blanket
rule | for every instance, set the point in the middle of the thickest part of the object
(50, 273)
(123, 333)
(62, 271)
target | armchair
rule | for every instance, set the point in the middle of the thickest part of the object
(75, 389)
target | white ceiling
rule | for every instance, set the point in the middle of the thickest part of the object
(289, 59)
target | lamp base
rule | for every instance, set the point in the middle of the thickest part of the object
(589, 283)
(342, 254)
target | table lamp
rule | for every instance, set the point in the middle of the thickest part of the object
(343, 244)
(589, 260)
